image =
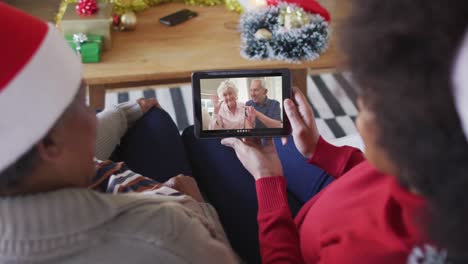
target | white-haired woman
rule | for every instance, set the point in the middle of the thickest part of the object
(228, 112)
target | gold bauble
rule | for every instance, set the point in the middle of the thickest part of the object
(293, 17)
(263, 33)
(128, 21)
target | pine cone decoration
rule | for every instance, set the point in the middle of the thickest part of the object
(87, 7)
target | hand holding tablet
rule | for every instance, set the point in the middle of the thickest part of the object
(241, 103)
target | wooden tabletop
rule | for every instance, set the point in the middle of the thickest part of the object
(155, 53)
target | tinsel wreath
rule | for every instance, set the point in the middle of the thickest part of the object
(304, 41)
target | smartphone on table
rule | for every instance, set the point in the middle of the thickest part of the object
(178, 17)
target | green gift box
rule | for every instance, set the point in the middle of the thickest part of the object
(90, 49)
(98, 24)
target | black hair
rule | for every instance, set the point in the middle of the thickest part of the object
(401, 53)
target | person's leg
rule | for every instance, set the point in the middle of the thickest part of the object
(231, 188)
(153, 147)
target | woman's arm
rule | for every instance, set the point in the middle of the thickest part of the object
(248, 125)
(216, 121)
(278, 234)
(336, 161)
(112, 125)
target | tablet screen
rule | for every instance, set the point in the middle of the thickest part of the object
(241, 103)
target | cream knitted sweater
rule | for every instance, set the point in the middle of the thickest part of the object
(84, 226)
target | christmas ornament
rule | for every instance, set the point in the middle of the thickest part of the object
(79, 39)
(293, 17)
(123, 6)
(97, 24)
(115, 20)
(234, 5)
(128, 21)
(87, 7)
(296, 35)
(263, 33)
(89, 47)
(245, 5)
(309, 6)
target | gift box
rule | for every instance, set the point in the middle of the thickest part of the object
(89, 49)
(98, 24)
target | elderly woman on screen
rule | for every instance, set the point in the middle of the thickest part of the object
(228, 112)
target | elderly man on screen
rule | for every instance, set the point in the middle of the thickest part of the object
(267, 111)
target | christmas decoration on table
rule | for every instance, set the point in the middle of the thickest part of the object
(89, 47)
(123, 6)
(115, 20)
(293, 31)
(87, 7)
(234, 5)
(96, 24)
(127, 21)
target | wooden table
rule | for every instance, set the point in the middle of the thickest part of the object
(156, 54)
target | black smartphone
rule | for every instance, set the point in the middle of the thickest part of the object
(177, 17)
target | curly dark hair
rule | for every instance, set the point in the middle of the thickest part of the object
(401, 53)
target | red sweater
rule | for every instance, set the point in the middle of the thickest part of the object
(362, 216)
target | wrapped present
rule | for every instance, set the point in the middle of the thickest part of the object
(88, 46)
(97, 24)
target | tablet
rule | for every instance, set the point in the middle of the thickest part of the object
(241, 103)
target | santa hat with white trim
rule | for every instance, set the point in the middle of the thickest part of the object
(460, 88)
(39, 77)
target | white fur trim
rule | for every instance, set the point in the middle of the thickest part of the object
(460, 89)
(34, 100)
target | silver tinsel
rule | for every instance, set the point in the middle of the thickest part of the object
(306, 39)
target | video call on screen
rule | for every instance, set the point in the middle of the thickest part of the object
(241, 104)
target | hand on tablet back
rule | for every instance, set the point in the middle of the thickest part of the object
(304, 129)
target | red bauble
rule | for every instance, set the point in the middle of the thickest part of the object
(115, 20)
(87, 7)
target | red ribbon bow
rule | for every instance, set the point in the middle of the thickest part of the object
(87, 7)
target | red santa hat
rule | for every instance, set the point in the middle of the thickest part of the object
(460, 88)
(311, 6)
(39, 77)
